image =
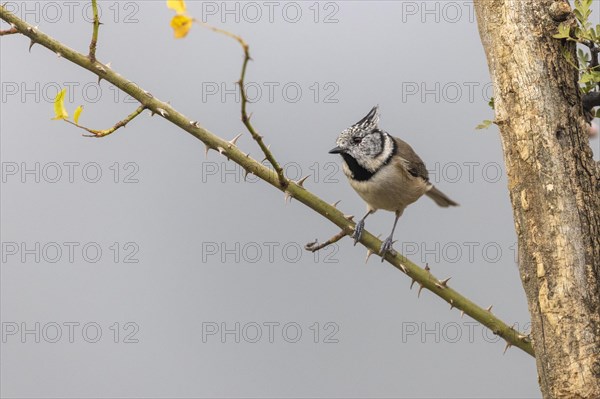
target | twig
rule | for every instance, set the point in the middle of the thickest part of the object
(315, 246)
(426, 279)
(94, 42)
(119, 124)
(245, 117)
(10, 31)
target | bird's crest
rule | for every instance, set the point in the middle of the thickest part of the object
(370, 121)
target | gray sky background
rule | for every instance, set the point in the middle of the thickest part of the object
(198, 250)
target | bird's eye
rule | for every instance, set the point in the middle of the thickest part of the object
(356, 140)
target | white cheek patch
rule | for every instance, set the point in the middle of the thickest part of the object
(375, 163)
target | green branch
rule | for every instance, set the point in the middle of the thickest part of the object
(115, 127)
(423, 277)
(95, 30)
(245, 117)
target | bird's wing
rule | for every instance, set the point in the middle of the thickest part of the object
(414, 164)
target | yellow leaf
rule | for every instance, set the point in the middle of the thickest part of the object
(177, 5)
(77, 113)
(59, 106)
(181, 25)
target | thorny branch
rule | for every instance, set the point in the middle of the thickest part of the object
(315, 246)
(96, 23)
(245, 117)
(119, 124)
(424, 278)
(10, 31)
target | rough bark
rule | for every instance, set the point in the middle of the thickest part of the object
(553, 185)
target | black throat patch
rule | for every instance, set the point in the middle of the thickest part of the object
(358, 172)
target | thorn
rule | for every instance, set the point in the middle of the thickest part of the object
(508, 345)
(59, 54)
(489, 308)
(221, 150)
(206, 149)
(451, 304)
(31, 43)
(443, 283)
(246, 171)
(108, 64)
(162, 112)
(100, 78)
(369, 253)
(427, 268)
(522, 337)
(421, 286)
(100, 68)
(412, 283)
(287, 196)
(235, 139)
(349, 217)
(335, 204)
(193, 123)
(151, 112)
(462, 313)
(403, 268)
(301, 181)
(248, 155)
(151, 96)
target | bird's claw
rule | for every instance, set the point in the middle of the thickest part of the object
(358, 230)
(386, 247)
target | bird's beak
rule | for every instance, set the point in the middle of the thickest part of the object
(336, 150)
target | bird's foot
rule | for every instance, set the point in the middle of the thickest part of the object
(386, 247)
(358, 230)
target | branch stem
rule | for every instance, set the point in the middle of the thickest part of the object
(245, 117)
(315, 246)
(96, 23)
(118, 125)
(10, 31)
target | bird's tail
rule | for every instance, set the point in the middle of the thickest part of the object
(440, 198)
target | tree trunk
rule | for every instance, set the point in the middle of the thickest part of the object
(553, 185)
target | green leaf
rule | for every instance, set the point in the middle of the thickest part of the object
(484, 125)
(586, 77)
(77, 113)
(59, 106)
(563, 31)
(491, 103)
